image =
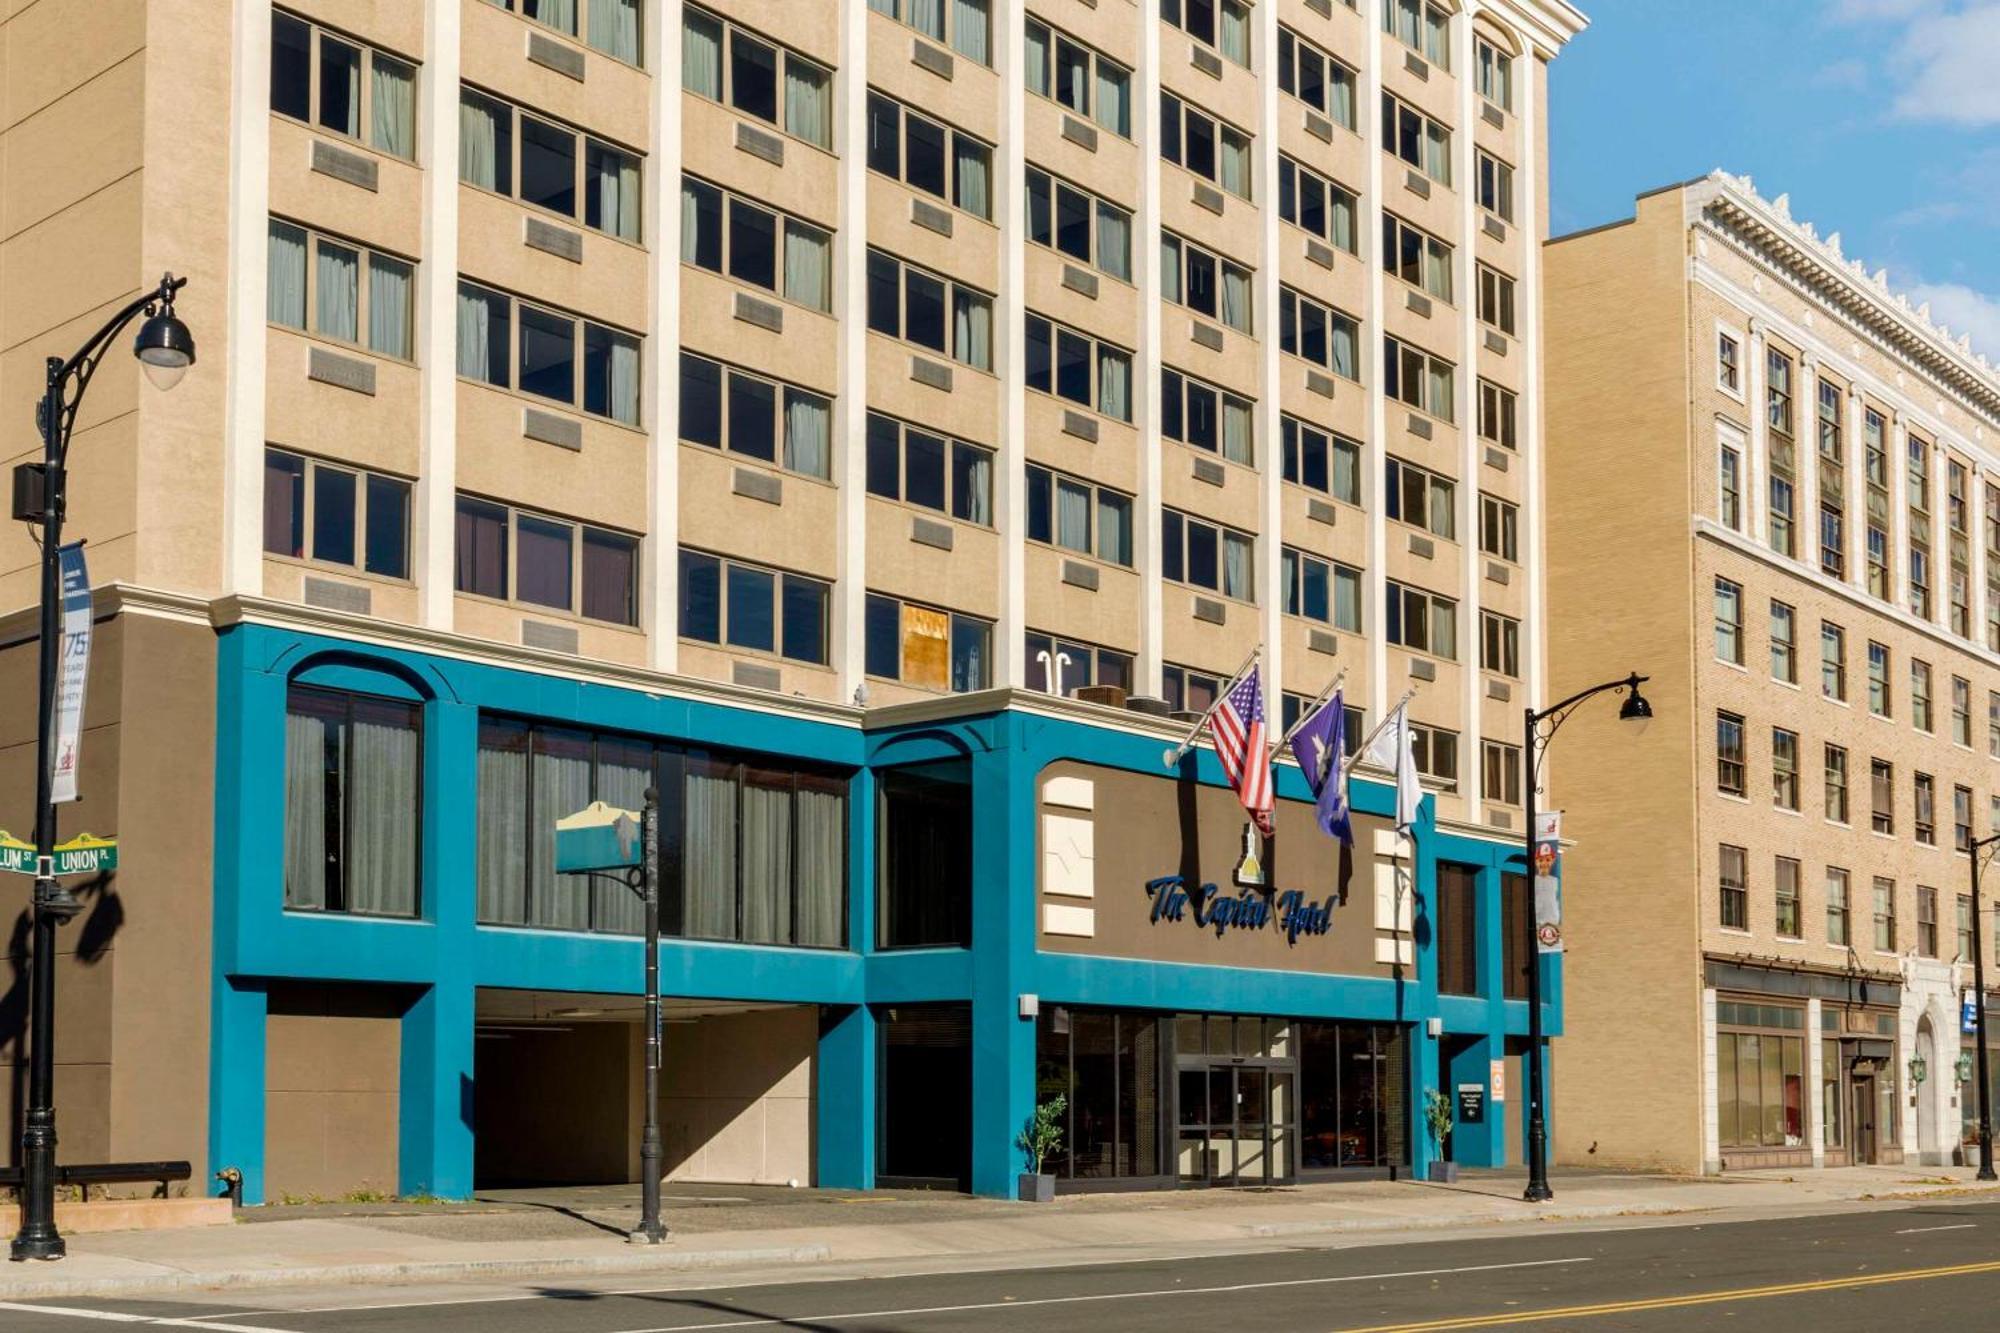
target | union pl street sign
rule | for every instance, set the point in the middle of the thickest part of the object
(85, 854)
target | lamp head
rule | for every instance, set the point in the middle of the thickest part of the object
(164, 347)
(1635, 710)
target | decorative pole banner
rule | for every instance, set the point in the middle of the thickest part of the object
(1548, 888)
(72, 673)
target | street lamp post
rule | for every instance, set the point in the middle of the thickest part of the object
(1978, 848)
(165, 349)
(1635, 710)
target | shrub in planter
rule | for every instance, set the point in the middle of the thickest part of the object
(1042, 1135)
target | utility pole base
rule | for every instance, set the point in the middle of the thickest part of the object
(51, 1246)
(655, 1235)
(1538, 1193)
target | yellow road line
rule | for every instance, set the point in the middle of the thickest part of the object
(1676, 1302)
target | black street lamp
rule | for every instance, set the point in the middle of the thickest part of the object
(1978, 848)
(1637, 711)
(165, 350)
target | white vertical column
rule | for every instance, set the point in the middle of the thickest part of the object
(1010, 52)
(1369, 363)
(437, 315)
(249, 214)
(1146, 368)
(1711, 1135)
(1815, 1071)
(1533, 228)
(1757, 472)
(662, 406)
(1270, 474)
(1472, 679)
(1805, 461)
(851, 378)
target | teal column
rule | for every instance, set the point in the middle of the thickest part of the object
(1003, 951)
(236, 1086)
(844, 1095)
(435, 1120)
(1420, 991)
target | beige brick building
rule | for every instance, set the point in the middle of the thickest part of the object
(1774, 486)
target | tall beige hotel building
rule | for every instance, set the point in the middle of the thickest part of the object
(1775, 486)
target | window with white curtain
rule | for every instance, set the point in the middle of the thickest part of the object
(1076, 366)
(1319, 589)
(1319, 333)
(1421, 498)
(1496, 186)
(354, 295)
(965, 24)
(1321, 460)
(1416, 138)
(612, 26)
(1088, 229)
(557, 355)
(353, 802)
(1206, 555)
(536, 160)
(1423, 27)
(929, 156)
(341, 85)
(1417, 379)
(921, 467)
(920, 307)
(1222, 24)
(539, 560)
(1079, 516)
(1079, 77)
(1205, 146)
(754, 608)
(1495, 74)
(736, 67)
(1317, 204)
(1496, 299)
(1205, 282)
(754, 416)
(1422, 621)
(728, 234)
(334, 514)
(1323, 82)
(1417, 257)
(1200, 414)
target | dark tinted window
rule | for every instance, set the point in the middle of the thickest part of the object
(291, 67)
(926, 856)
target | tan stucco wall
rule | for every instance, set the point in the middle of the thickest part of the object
(736, 1097)
(331, 1080)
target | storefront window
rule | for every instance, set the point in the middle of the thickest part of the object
(1353, 1095)
(352, 803)
(1830, 1100)
(926, 883)
(926, 1083)
(1107, 1064)
(1760, 1084)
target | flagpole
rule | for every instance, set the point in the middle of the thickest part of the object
(1387, 717)
(1306, 713)
(1179, 752)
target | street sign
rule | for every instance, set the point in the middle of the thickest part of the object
(598, 837)
(85, 854)
(1471, 1104)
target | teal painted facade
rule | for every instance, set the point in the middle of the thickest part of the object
(441, 959)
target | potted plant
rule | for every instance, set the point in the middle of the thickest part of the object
(1042, 1135)
(1437, 1115)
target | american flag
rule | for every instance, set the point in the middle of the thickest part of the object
(1237, 726)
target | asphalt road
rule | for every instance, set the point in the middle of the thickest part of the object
(1929, 1266)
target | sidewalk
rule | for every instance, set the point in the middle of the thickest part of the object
(575, 1233)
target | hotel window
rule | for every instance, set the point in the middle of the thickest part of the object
(1925, 799)
(1436, 753)
(1456, 943)
(1499, 527)
(926, 647)
(1516, 909)
(1080, 517)
(1087, 664)
(1321, 81)
(1318, 333)
(1420, 498)
(930, 311)
(1784, 643)
(1885, 914)
(1497, 414)
(1417, 139)
(1760, 1085)
(1732, 875)
(1728, 363)
(1500, 772)
(1077, 367)
(613, 26)
(1187, 690)
(1201, 415)
(353, 802)
(1876, 463)
(1317, 204)
(727, 234)
(1204, 283)
(1785, 895)
(508, 151)
(1424, 28)
(1993, 723)
(1321, 590)
(1778, 392)
(1961, 818)
(1878, 560)
(1832, 539)
(925, 889)
(1320, 460)
(519, 556)
(1836, 906)
(1417, 257)
(726, 408)
(1422, 621)
(347, 293)
(1496, 299)
(1874, 433)
(1729, 487)
(1878, 679)
(1833, 661)
(1920, 581)
(1836, 784)
(1500, 643)
(1108, 1061)
(1830, 439)
(1959, 545)
(928, 156)
(1783, 537)
(1729, 768)
(336, 515)
(1927, 922)
(1417, 379)
(1728, 621)
(1882, 795)
(1222, 24)
(1784, 768)
(736, 605)
(1495, 79)
(919, 467)
(1496, 186)
(1206, 147)
(1080, 225)
(1965, 943)
(1919, 454)
(1961, 711)
(758, 78)
(1920, 695)
(1992, 567)
(543, 360)
(963, 23)
(343, 86)
(1079, 78)
(1204, 555)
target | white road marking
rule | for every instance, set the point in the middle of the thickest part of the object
(106, 1315)
(156, 1321)
(1154, 1294)
(1956, 1226)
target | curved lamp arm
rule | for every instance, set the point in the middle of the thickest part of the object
(68, 379)
(1557, 713)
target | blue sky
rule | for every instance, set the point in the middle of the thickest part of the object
(1881, 119)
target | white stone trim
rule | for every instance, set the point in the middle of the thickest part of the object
(245, 299)
(432, 531)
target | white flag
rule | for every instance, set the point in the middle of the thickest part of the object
(1391, 748)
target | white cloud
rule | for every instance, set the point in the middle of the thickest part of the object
(1877, 11)
(1962, 309)
(1949, 61)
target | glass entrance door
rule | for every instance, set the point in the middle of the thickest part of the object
(1236, 1125)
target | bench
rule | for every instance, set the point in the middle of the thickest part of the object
(83, 1176)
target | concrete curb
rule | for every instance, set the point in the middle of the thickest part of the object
(594, 1265)
(1582, 1214)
